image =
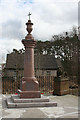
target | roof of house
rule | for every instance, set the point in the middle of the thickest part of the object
(40, 61)
(14, 61)
(46, 62)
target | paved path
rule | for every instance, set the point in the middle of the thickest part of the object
(67, 108)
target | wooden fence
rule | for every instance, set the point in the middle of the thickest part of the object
(10, 85)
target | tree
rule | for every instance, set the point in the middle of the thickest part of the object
(66, 47)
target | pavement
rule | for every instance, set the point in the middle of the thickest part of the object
(67, 108)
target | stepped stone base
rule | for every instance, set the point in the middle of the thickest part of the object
(16, 102)
(16, 99)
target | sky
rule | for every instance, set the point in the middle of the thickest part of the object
(50, 17)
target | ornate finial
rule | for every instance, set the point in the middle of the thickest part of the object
(29, 29)
(29, 15)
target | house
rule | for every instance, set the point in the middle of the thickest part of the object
(45, 65)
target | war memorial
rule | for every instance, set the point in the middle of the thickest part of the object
(29, 94)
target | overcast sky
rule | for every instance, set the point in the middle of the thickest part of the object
(50, 17)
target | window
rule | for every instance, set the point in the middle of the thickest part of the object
(48, 72)
(42, 72)
(14, 73)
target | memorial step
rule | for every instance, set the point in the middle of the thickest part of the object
(29, 104)
(16, 99)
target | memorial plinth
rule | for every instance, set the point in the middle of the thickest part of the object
(61, 86)
(30, 85)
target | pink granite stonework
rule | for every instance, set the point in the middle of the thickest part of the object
(30, 85)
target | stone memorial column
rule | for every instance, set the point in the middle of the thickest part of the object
(30, 85)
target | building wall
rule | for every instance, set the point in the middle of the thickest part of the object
(13, 73)
(46, 72)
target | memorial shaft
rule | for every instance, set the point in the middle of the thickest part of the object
(30, 85)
